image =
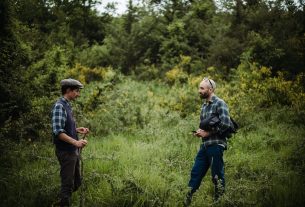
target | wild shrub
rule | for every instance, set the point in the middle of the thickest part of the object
(94, 56)
(253, 88)
(147, 72)
(110, 107)
(42, 87)
(86, 75)
(178, 73)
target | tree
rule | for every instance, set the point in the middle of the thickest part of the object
(14, 93)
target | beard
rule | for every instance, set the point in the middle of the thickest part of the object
(203, 95)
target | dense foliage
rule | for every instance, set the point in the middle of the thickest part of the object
(141, 71)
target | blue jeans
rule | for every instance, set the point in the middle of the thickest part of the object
(210, 156)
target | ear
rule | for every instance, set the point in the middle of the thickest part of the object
(68, 90)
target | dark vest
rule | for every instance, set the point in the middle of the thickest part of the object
(70, 128)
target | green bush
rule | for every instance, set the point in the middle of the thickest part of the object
(94, 56)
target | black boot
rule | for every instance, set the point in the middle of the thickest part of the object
(218, 190)
(61, 203)
(64, 202)
(188, 199)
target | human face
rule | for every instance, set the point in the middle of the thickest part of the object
(71, 95)
(204, 90)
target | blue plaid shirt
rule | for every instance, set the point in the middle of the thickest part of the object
(59, 117)
(219, 107)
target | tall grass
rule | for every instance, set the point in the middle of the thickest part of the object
(141, 151)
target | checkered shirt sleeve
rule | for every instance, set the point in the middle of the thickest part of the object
(224, 116)
(59, 117)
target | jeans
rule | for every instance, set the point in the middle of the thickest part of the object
(210, 156)
(69, 173)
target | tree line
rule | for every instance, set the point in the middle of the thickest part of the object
(42, 39)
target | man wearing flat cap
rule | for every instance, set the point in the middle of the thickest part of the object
(66, 141)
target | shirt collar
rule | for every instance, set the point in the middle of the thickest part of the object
(65, 100)
(213, 98)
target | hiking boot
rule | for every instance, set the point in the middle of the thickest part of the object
(188, 199)
(61, 203)
(64, 202)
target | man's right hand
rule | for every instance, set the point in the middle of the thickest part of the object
(77, 143)
(80, 143)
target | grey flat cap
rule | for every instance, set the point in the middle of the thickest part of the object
(71, 82)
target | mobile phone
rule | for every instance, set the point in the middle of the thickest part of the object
(194, 132)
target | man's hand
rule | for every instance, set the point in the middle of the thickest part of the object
(201, 133)
(80, 143)
(82, 130)
(77, 143)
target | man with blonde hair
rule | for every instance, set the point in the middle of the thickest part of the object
(213, 145)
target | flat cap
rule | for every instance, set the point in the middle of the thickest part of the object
(71, 82)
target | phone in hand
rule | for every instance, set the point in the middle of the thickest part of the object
(194, 132)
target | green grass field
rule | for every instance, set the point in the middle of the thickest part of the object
(141, 151)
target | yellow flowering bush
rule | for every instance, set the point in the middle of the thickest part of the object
(254, 87)
(86, 75)
(177, 73)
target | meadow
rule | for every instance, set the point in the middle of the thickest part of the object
(141, 150)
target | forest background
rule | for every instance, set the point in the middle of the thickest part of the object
(141, 71)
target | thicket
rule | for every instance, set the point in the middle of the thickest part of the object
(141, 71)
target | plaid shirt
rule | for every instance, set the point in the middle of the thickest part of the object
(59, 117)
(219, 107)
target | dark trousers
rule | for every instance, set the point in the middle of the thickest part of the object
(69, 174)
(211, 156)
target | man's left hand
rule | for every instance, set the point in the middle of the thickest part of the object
(201, 133)
(82, 130)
